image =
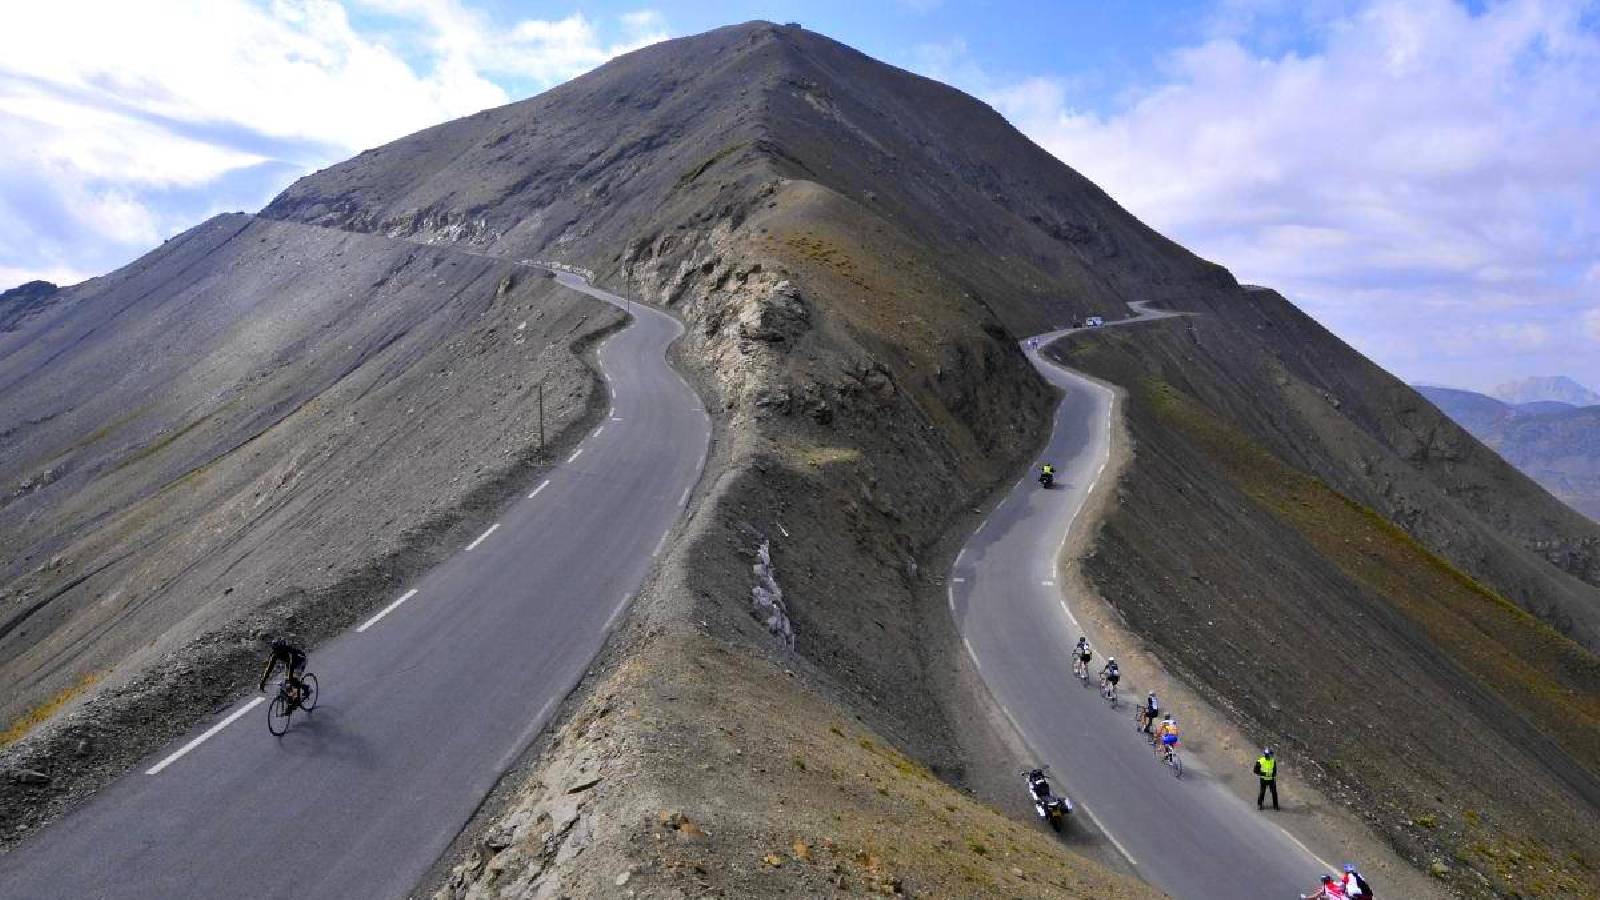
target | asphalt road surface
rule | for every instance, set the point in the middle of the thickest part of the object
(1190, 837)
(425, 706)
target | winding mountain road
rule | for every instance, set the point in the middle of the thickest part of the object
(425, 705)
(1190, 837)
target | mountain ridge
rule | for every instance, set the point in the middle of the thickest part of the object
(1558, 388)
(1554, 442)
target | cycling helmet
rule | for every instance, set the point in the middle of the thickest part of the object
(1110, 660)
(1327, 879)
(1266, 751)
(1349, 867)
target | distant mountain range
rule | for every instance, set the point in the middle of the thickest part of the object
(1553, 388)
(1555, 443)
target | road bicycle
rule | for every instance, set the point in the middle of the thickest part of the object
(1080, 669)
(1141, 722)
(1108, 690)
(293, 693)
(1170, 757)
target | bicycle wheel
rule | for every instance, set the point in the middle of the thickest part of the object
(1177, 766)
(310, 694)
(278, 712)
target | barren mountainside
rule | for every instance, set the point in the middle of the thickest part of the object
(856, 250)
(926, 234)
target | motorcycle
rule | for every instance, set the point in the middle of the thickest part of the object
(1046, 804)
(1047, 480)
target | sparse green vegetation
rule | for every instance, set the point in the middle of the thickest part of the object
(21, 725)
(1551, 683)
(1511, 652)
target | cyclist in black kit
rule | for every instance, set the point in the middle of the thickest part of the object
(294, 663)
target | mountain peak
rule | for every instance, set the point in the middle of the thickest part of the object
(1558, 388)
(681, 137)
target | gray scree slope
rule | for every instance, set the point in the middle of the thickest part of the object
(426, 709)
(1180, 835)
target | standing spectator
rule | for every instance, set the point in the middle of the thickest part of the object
(1267, 770)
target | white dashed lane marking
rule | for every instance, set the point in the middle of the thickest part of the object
(386, 610)
(207, 735)
(481, 537)
(539, 488)
(575, 454)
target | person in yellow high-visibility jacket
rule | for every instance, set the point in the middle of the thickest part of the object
(1267, 771)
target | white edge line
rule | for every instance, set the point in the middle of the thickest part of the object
(685, 498)
(1065, 609)
(1109, 836)
(660, 544)
(481, 537)
(1325, 864)
(951, 591)
(209, 732)
(386, 610)
(575, 454)
(597, 431)
(959, 554)
(535, 725)
(617, 612)
(1092, 817)
(541, 487)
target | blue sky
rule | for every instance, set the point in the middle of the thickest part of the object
(1423, 176)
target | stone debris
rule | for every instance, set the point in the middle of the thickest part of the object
(767, 597)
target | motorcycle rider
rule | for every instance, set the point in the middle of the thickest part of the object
(1047, 474)
(1039, 786)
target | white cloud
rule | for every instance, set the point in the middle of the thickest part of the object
(1591, 324)
(544, 50)
(1421, 162)
(102, 127)
(11, 276)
